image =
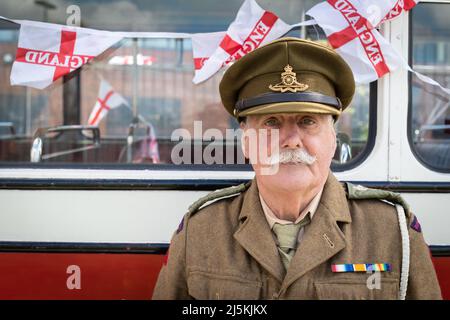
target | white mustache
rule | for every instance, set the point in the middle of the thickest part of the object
(293, 156)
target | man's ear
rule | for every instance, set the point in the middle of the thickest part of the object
(334, 142)
(244, 142)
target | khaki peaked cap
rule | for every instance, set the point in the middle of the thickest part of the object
(288, 75)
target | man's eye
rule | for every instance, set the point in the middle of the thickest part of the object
(307, 121)
(271, 122)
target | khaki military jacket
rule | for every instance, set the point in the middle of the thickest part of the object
(226, 250)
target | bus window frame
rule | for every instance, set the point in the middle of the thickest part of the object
(371, 138)
(335, 167)
(414, 151)
(74, 81)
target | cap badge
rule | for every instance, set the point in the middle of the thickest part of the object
(288, 82)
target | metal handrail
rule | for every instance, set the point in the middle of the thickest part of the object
(38, 144)
(9, 125)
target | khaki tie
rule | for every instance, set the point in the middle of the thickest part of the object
(287, 235)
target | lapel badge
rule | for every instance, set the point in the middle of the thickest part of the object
(288, 82)
(361, 267)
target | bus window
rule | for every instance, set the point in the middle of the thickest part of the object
(429, 107)
(50, 127)
(355, 129)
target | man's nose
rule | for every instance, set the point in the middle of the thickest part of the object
(291, 137)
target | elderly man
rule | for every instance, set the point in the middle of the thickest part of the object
(296, 232)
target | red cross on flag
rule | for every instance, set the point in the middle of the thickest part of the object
(252, 28)
(204, 45)
(107, 99)
(394, 8)
(348, 25)
(46, 52)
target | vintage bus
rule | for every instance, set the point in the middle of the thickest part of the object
(87, 212)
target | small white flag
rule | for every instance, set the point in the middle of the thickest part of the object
(349, 26)
(107, 99)
(46, 52)
(252, 28)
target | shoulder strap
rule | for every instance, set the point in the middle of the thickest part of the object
(361, 192)
(217, 195)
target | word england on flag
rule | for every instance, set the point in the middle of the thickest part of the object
(252, 28)
(46, 52)
(374, 11)
(352, 35)
(396, 9)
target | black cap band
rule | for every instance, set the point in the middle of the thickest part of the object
(267, 98)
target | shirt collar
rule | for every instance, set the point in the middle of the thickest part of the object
(310, 208)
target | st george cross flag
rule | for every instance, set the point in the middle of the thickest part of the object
(252, 28)
(352, 35)
(396, 9)
(46, 52)
(107, 99)
(204, 45)
(375, 11)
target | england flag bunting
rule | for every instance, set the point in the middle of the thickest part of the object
(395, 10)
(107, 99)
(46, 52)
(349, 26)
(252, 28)
(350, 32)
(203, 46)
(375, 11)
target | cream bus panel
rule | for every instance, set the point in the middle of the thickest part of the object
(142, 216)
